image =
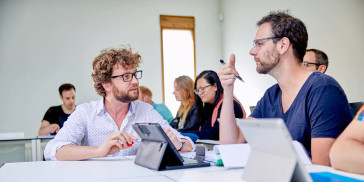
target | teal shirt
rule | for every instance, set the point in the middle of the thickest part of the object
(164, 111)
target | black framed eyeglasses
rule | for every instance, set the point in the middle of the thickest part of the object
(127, 77)
(305, 64)
(200, 90)
(257, 42)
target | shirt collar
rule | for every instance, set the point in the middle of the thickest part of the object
(101, 107)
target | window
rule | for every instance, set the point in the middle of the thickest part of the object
(178, 54)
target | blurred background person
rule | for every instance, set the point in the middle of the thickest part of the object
(315, 60)
(185, 119)
(55, 116)
(209, 96)
(145, 95)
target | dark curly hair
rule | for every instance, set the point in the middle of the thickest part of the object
(103, 65)
(284, 25)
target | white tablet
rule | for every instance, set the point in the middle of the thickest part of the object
(273, 156)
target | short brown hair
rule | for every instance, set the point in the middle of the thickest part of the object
(285, 25)
(103, 65)
(145, 91)
(321, 57)
(66, 87)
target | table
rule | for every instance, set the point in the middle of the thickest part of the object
(123, 169)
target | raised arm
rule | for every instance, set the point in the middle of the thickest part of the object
(229, 130)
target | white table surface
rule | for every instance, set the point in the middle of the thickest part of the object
(123, 169)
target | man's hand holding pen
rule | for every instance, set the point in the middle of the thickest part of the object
(228, 74)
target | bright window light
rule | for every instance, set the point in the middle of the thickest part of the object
(178, 59)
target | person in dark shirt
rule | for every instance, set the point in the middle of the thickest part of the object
(209, 96)
(55, 116)
(313, 105)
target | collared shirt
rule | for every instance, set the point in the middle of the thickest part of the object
(90, 125)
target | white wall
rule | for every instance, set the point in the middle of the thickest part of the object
(45, 43)
(336, 27)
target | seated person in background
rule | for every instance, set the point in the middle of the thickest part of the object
(208, 103)
(146, 95)
(313, 105)
(104, 127)
(55, 116)
(347, 152)
(185, 119)
(315, 60)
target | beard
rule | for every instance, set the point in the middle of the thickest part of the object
(124, 97)
(270, 62)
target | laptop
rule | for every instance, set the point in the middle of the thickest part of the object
(156, 151)
(273, 156)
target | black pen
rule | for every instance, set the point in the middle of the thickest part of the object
(223, 62)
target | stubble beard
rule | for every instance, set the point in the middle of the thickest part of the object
(271, 61)
(124, 97)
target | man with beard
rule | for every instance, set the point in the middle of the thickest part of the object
(104, 127)
(313, 105)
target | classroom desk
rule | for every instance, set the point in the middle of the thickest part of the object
(122, 169)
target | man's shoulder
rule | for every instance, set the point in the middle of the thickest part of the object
(140, 105)
(159, 105)
(55, 109)
(92, 105)
(272, 92)
(320, 79)
(322, 82)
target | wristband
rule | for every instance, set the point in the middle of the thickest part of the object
(183, 145)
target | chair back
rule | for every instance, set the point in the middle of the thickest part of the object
(251, 108)
(356, 106)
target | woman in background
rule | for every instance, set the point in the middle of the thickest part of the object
(185, 119)
(209, 96)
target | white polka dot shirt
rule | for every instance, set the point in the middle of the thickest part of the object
(90, 125)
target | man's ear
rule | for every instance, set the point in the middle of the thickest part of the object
(61, 97)
(107, 86)
(322, 68)
(283, 45)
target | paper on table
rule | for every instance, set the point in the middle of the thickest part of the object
(236, 155)
(233, 155)
(189, 155)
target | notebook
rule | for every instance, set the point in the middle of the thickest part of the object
(273, 156)
(156, 151)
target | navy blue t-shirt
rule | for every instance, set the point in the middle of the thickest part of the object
(320, 109)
